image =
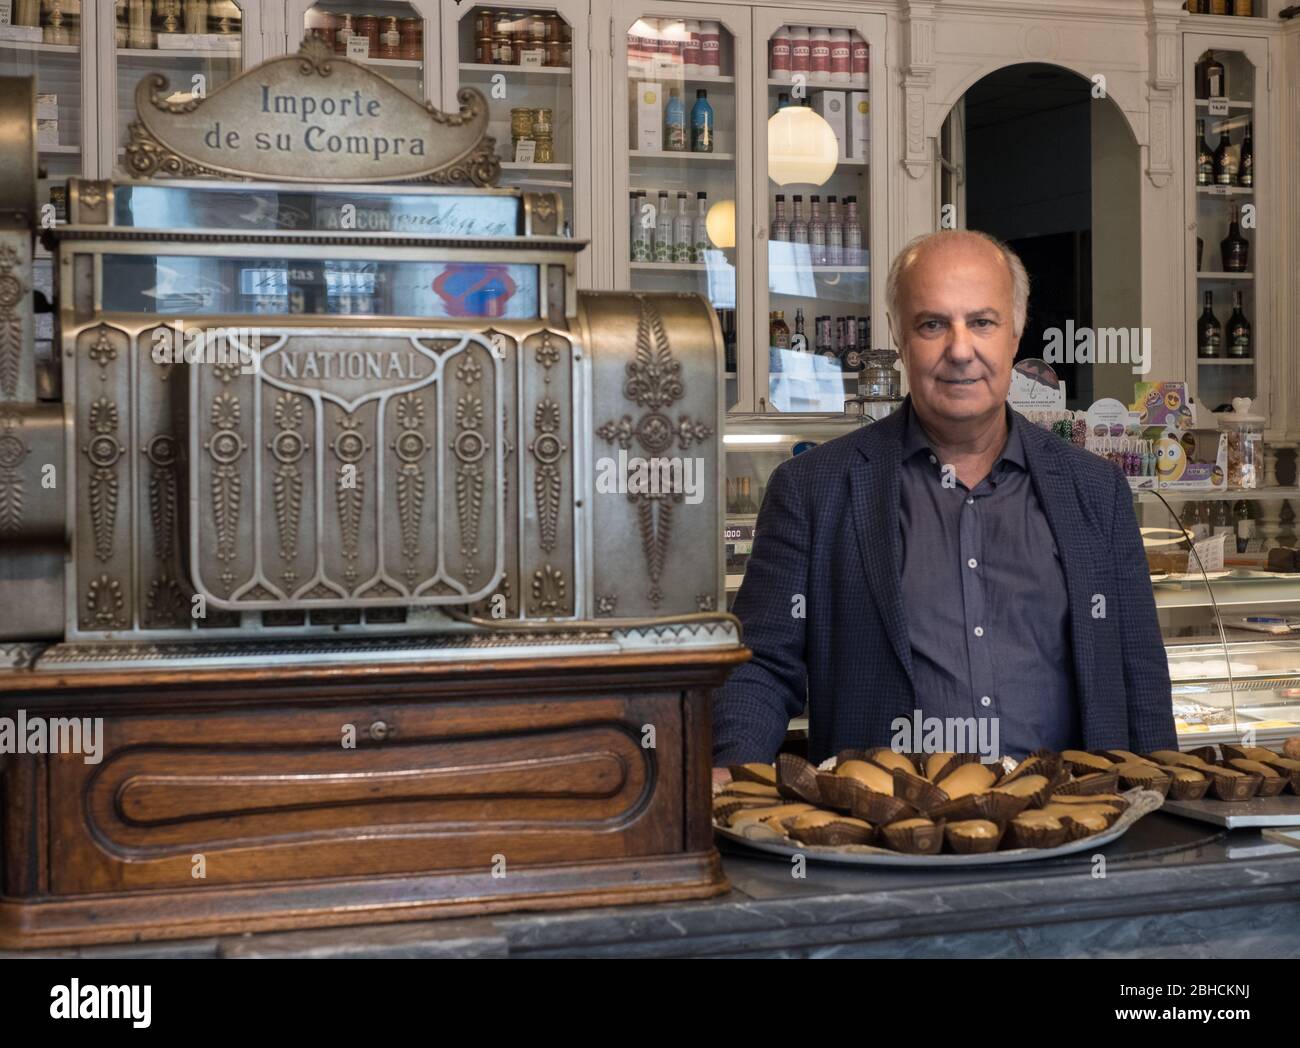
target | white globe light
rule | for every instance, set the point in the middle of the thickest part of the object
(801, 147)
(720, 221)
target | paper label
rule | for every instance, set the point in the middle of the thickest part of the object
(358, 46)
(532, 59)
(1218, 107)
(525, 151)
(1210, 554)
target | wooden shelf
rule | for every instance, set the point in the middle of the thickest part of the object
(670, 77)
(488, 70)
(1204, 103)
(665, 155)
(809, 85)
(59, 150)
(1225, 191)
(1226, 362)
(235, 54)
(39, 46)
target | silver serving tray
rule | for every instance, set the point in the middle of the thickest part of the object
(1141, 802)
(1282, 810)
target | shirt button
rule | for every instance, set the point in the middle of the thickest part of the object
(933, 460)
(970, 501)
(972, 563)
(979, 631)
(985, 701)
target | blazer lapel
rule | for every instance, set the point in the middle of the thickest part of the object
(874, 489)
(1067, 517)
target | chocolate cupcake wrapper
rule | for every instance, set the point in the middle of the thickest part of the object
(872, 757)
(876, 808)
(997, 807)
(1158, 783)
(797, 779)
(833, 790)
(922, 794)
(1034, 836)
(836, 835)
(1206, 753)
(850, 755)
(948, 767)
(1231, 752)
(743, 773)
(1077, 830)
(915, 840)
(1040, 762)
(1079, 769)
(1233, 788)
(1187, 790)
(1060, 778)
(1103, 782)
(972, 845)
(1271, 786)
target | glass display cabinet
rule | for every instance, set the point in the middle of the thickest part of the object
(46, 40)
(678, 143)
(755, 445)
(521, 60)
(818, 168)
(387, 35)
(197, 45)
(1228, 288)
(1231, 627)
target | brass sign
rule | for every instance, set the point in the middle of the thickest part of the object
(310, 117)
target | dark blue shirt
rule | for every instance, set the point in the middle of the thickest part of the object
(985, 599)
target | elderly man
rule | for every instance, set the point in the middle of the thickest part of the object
(952, 564)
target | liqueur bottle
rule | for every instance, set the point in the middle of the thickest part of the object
(1238, 330)
(683, 230)
(799, 227)
(817, 233)
(799, 340)
(1204, 157)
(780, 331)
(675, 123)
(664, 230)
(1246, 168)
(701, 232)
(1235, 249)
(1225, 161)
(834, 234)
(1211, 81)
(1209, 333)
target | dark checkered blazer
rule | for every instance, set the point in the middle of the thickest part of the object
(828, 532)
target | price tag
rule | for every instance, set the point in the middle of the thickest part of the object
(532, 59)
(525, 151)
(1218, 107)
(358, 46)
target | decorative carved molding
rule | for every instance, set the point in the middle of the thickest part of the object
(12, 452)
(350, 447)
(918, 78)
(654, 382)
(104, 450)
(163, 454)
(288, 447)
(13, 292)
(410, 447)
(547, 448)
(548, 591)
(105, 604)
(226, 447)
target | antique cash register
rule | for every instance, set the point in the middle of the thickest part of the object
(328, 591)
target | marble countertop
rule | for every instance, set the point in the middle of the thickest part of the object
(1169, 887)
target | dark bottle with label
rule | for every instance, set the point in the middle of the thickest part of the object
(1211, 81)
(1244, 526)
(799, 340)
(864, 334)
(1204, 157)
(825, 342)
(1246, 168)
(1225, 161)
(1209, 334)
(780, 331)
(1238, 330)
(701, 123)
(1235, 249)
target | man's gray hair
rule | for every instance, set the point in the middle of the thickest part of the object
(904, 259)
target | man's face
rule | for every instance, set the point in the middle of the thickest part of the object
(956, 332)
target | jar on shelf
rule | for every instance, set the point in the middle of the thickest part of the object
(344, 27)
(120, 23)
(196, 16)
(521, 123)
(28, 13)
(227, 16)
(140, 23)
(504, 46)
(1245, 432)
(566, 48)
(412, 33)
(543, 134)
(368, 26)
(390, 38)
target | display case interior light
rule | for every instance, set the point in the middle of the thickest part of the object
(801, 147)
(754, 438)
(720, 221)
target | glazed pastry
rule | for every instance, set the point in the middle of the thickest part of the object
(869, 775)
(1111, 799)
(828, 829)
(914, 836)
(761, 773)
(973, 836)
(974, 828)
(1187, 760)
(1079, 759)
(1291, 748)
(749, 816)
(1038, 819)
(966, 779)
(936, 762)
(1258, 767)
(750, 789)
(1025, 786)
(1126, 757)
(889, 760)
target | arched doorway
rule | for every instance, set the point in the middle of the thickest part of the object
(1036, 155)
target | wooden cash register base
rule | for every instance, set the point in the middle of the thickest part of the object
(226, 800)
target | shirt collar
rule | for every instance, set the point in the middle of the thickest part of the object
(915, 440)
